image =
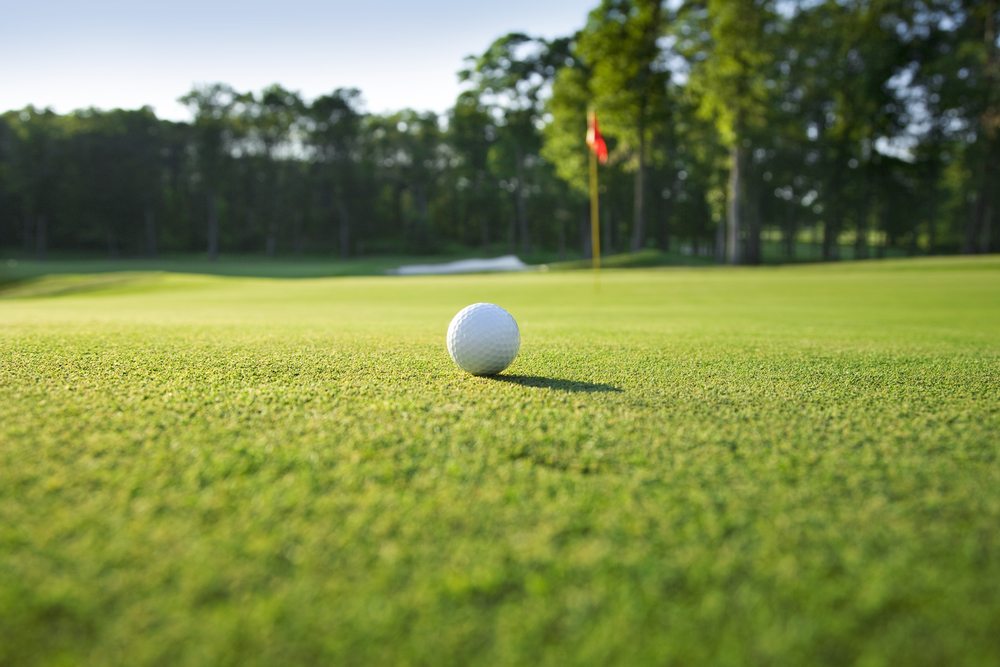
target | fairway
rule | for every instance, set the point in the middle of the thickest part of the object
(793, 465)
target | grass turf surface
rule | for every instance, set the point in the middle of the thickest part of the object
(771, 466)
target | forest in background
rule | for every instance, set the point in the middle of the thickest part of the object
(737, 130)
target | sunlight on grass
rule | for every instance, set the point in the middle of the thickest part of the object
(794, 465)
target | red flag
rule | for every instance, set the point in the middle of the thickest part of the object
(595, 140)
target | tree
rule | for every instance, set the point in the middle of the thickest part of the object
(215, 109)
(958, 69)
(334, 134)
(511, 79)
(407, 149)
(743, 120)
(270, 120)
(844, 56)
(471, 135)
(115, 184)
(731, 80)
(565, 146)
(36, 143)
(628, 83)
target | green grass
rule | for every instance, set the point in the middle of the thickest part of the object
(685, 466)
(16, 270)
(636, 260)
(15, 267)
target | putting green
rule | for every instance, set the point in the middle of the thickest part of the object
(686, 466)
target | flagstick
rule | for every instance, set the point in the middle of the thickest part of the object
(595, 227)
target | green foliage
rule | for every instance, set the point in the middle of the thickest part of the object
(508, 82)
(215, 109)
(731, 79)
(628, 78)
(617, 70)
(471, 135)
(565, 136)
(788, 466)
(868, 122)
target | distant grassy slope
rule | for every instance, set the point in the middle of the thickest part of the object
(14, 269)
(250, 266)
(689, 466)
(635, 260)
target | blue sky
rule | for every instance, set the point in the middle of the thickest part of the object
(70, 55)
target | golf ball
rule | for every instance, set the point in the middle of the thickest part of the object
(483, 339)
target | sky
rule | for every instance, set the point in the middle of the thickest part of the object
(71, 55)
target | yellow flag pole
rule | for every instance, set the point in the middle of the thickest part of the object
(595, 226)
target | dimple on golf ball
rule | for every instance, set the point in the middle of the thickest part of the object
(483, 339)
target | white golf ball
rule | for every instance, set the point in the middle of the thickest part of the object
(483, 339)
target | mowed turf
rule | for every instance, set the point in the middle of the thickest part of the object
(684, 466)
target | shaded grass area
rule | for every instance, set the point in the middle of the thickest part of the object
(12, 270)
(795, 466)
(16, 267)
(776, 252)
(641, 259)
(15, 270)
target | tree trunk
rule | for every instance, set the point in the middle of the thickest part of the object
(522, 220)
(484, 218)
(735, 205)
(861, 239)
(249, 225)
(830, 234)
(751, 253)
(831, 222)
(271, 242)
(639, 195)
(397, 205)
(28, 232)
(112, 240)
(343, 228)
(668, 216)
(833, 213)
(561, 240)
(720, 242)
(213, 226)
(41, 236)
(978, 231)
(608, 235)
(298, 242)
(860, 243)
(521, 206)
(149, 225)
(891, 240)
(969, 244)
(423, 210)
(986, 238)
(932, 226)
(789, 231)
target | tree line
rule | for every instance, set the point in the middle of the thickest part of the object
(738, 129)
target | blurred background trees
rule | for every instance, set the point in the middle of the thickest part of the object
(747, 131)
